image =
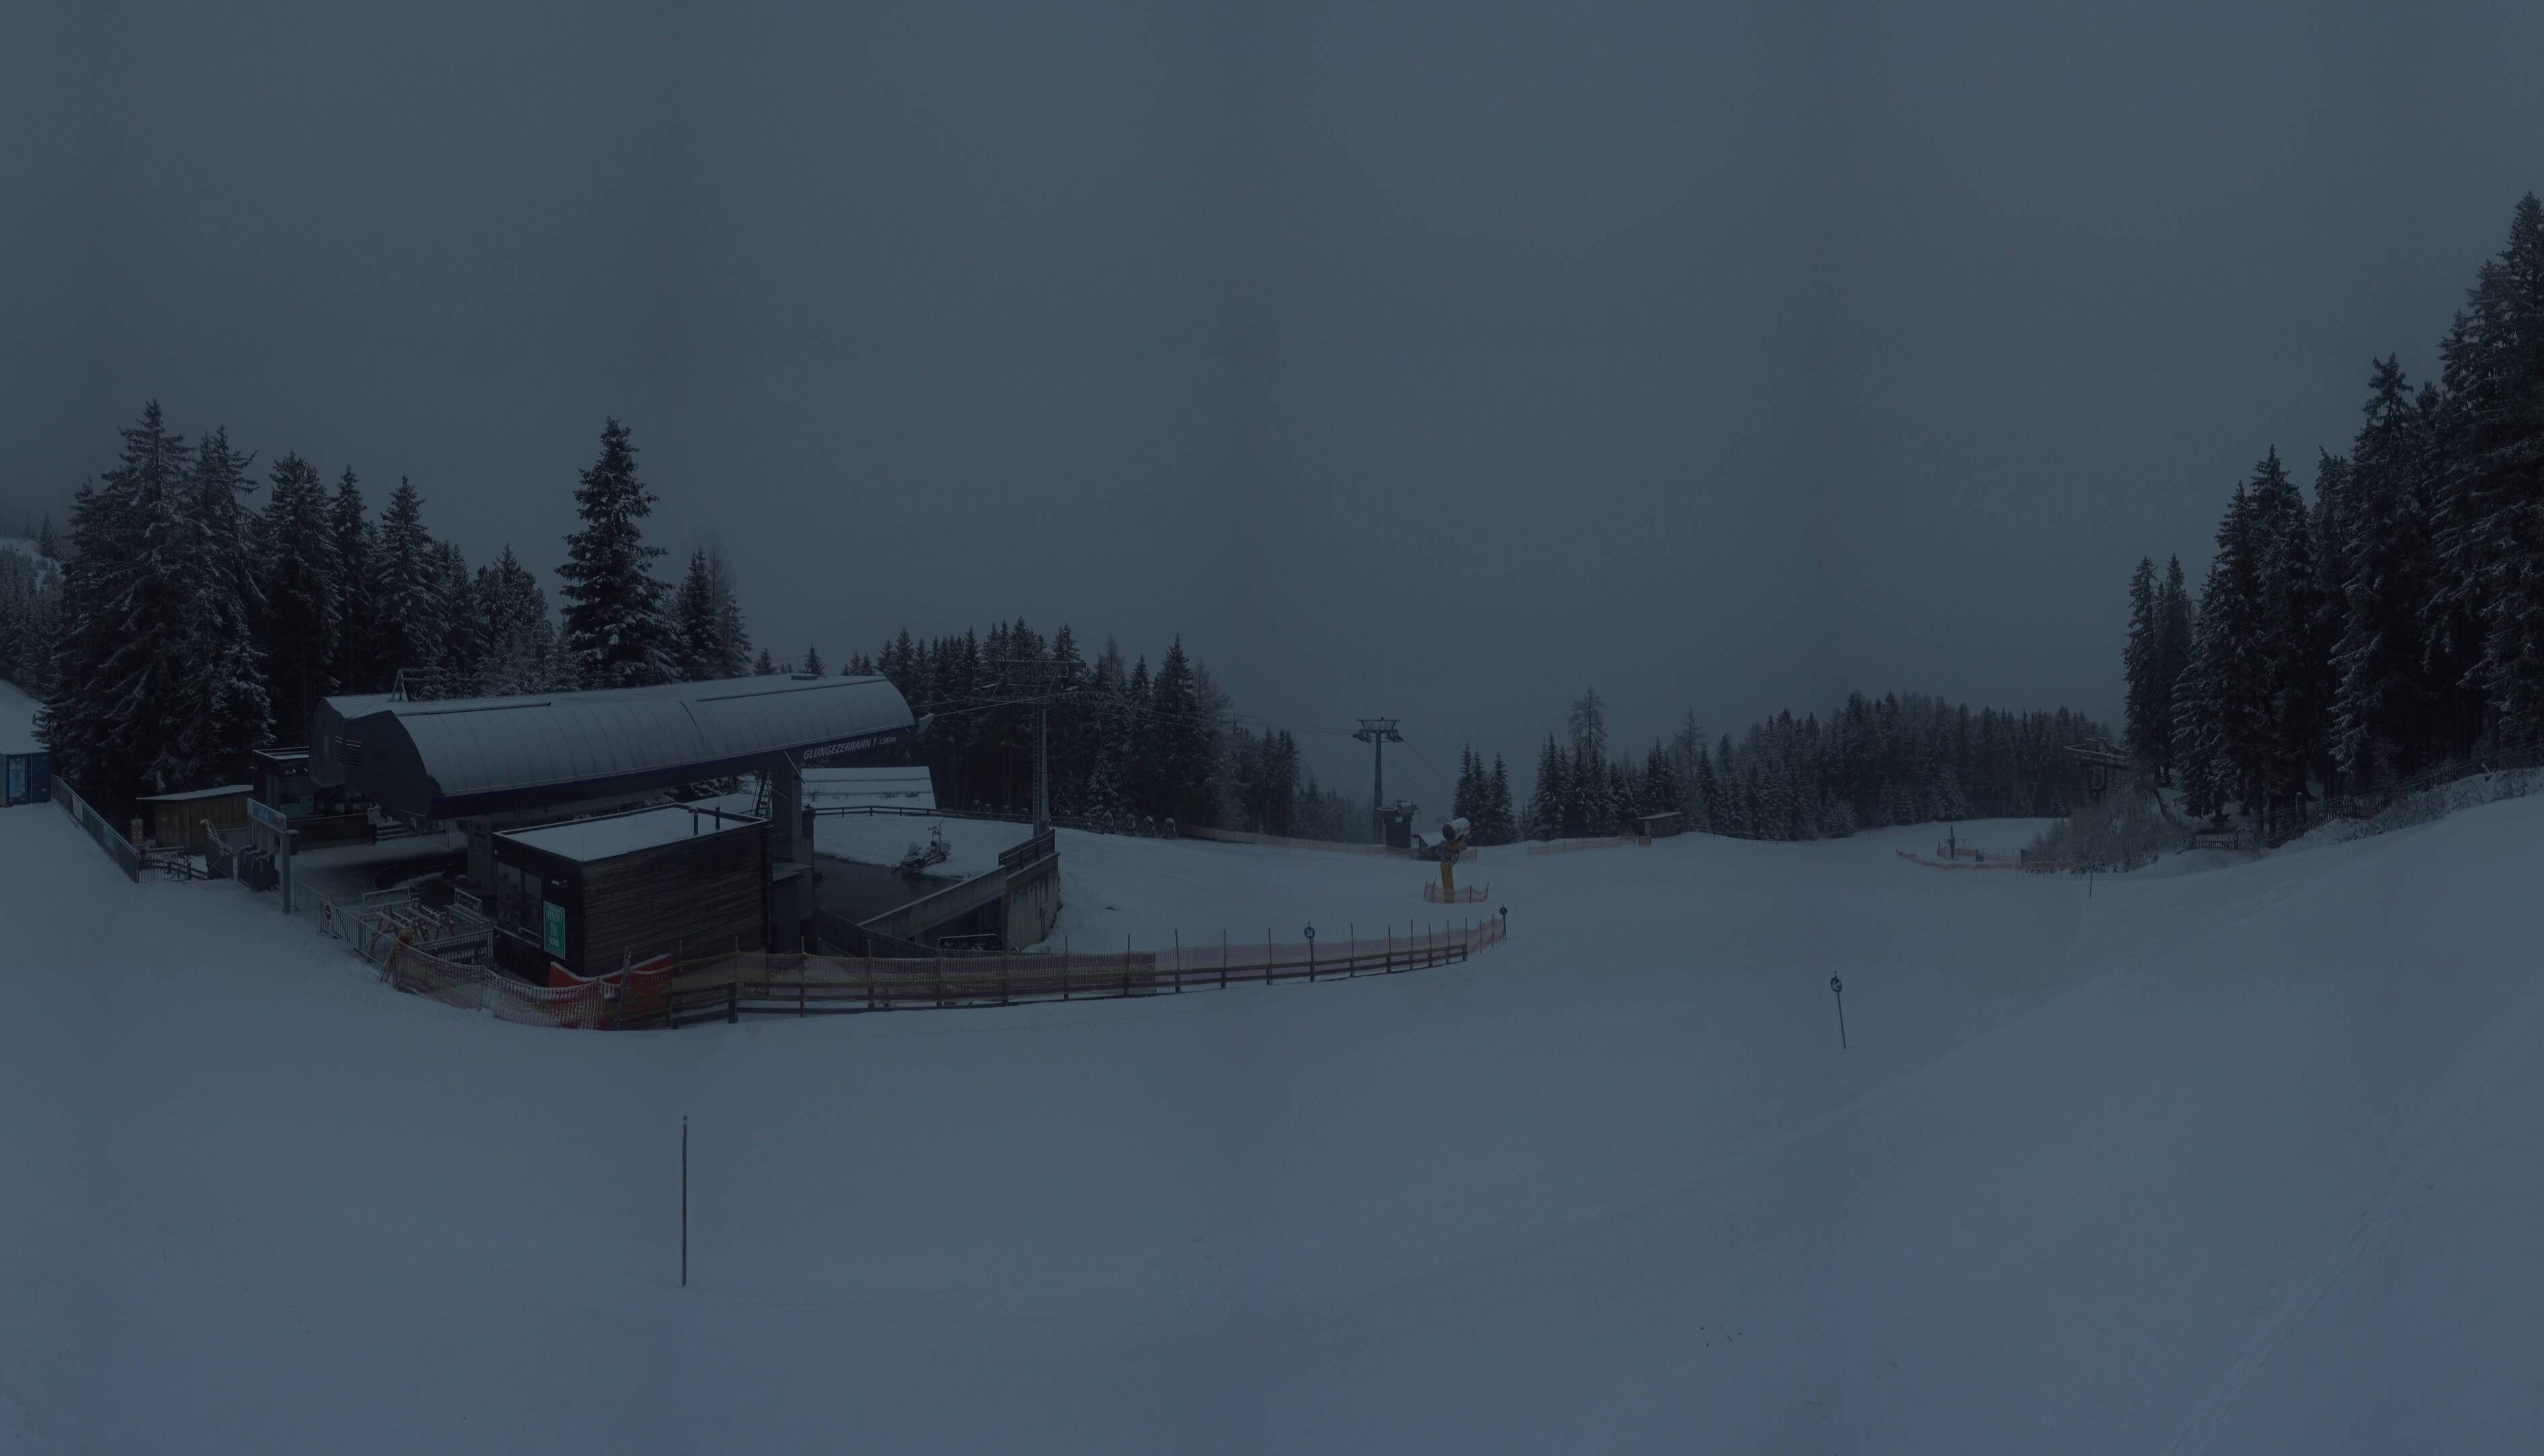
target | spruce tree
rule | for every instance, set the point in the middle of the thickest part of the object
(520, 654)
(348, 527)
(2140, 669)
(458, 665)
(230, 713)
(2295, 655)
(813, 661)
(2173, 616)
(732, 657)
(1503, 818)
(615, 625)
(407, 624)
(700, 652)
(764, 668)
(1549, 805)
(299, 629)
(2381, 705)
(2495, 371)
(125, 687)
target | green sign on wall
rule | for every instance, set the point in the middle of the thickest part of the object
(552, 924)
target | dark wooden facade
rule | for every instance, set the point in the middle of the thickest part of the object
(176, 820)
(705, 893)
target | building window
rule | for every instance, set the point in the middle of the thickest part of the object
(517, 894)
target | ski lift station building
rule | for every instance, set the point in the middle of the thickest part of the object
(461, 757)
(497, 765)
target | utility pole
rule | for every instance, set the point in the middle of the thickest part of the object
(1042, 767)
(1040, 682)
(1378, 733)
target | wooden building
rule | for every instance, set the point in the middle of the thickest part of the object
(1655, 825)
(176, 820)
(591, 894)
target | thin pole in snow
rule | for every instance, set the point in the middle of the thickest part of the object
(685, 1200)
(1838, 988)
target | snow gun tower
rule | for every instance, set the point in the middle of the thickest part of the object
(1446, 846)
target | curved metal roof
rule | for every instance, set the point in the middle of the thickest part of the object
(435, 759)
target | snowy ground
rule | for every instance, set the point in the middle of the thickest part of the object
(882, 839)
(2231, 1161)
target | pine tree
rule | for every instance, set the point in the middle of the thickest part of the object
(459, 661)
(124, 686)
(230, 714)
(355, 541)
(521, 653)
(2223, 707)
(2295, 655)
(813, 661)
(1549, 805)
(700, 652)
(299, 625)
(1503, 819)
(46, 546)
(2496, 369)
(2173, 618)
(615, 625)
(764, 668)
(2381, 705)
(732, 634)
(2139, 668)
(408, 625)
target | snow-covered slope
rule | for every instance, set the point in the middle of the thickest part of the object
(2231, 1161)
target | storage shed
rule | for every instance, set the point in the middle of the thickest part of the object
(1656, 825)
(176, 820)
(590, 895)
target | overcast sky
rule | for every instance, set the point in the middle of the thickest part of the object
(1429, 360)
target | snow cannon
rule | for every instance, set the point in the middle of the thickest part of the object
(1444, 847)
(1448, 839)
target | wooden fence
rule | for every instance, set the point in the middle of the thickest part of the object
(730, 986)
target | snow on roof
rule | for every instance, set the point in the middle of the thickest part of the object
(190, 794)
(612, 835)
(438, 757)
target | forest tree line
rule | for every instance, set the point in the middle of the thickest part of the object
(189, 628)
(1129, 747)
(1896, 759)
(2393, 623)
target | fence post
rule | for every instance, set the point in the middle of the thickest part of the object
(1222, 958)
(1064, 967)
(1179, 962)
(1351, 949)
(1126, 964)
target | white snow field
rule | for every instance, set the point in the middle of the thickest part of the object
(2236, 1161)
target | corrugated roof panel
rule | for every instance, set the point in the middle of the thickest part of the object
(472, 749)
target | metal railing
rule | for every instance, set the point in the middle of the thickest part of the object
(116, 847)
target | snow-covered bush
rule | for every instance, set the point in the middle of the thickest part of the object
(2125, 830)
